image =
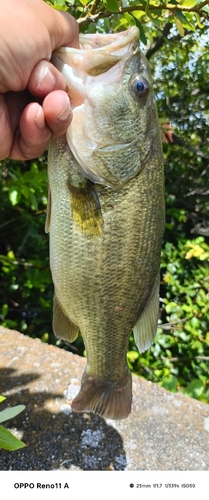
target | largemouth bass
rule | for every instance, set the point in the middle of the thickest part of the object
(106, 214)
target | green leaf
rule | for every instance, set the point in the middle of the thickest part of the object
(184, 21)
(189, 3)
(171, 307)
(198, 20)
(155, 20)
(2, 398)
(59, 5)
(179, 26)
(84, 2)
(112, 5)
(129, 18)
(33, 200)
(10, 412)
(194, 389)
(143, 2)
(139, 25)
(5, 310)
(170, 383)
(14, 196)
(195, 322)
(132, 356)
(45, 337)
(8, 441)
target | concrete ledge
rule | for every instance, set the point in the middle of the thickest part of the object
(165, 431)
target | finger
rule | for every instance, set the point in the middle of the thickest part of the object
(67, 31)
(33, 134)
(39, 124)
(5, 130)
(57, 112)
(44, 79)
(16, 102)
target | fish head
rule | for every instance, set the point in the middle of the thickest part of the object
(115, 126)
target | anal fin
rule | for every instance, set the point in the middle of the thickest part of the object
(62, 325)
(146, 326)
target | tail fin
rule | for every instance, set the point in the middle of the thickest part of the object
(104, 398)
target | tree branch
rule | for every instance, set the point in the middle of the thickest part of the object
(104, 13)
(165, 6)
(177, 140)
(159, 41)
(187, 358)
(94, 7)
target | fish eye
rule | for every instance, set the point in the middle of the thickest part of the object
(138, 86)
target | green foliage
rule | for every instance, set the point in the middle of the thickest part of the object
(150, 16)
(26, 290)
(7, 440)
(178, 359)
(174, 36)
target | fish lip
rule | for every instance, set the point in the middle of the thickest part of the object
(120, 43)
(117, 40)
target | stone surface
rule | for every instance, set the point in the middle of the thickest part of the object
(165, 431)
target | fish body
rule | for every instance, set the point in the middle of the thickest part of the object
(106, 215)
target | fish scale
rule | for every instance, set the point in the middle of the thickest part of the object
(106, 236)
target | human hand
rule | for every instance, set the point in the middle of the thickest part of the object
(34, 105)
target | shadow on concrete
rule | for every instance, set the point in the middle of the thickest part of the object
(58, 439)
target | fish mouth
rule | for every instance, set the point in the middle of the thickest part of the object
(94, 70)
(98, 53)
(117, 45)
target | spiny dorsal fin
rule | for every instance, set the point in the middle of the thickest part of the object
(62, 325)
(146, 326)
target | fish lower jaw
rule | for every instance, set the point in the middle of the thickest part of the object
(105, 398)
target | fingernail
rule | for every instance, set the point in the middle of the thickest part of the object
(46, 81)
(65, 115)
(39, 119)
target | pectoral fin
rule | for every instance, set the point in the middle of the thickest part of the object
(62, 326)
(86, 211)
(146, 326)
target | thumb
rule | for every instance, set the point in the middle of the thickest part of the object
(66, 32)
